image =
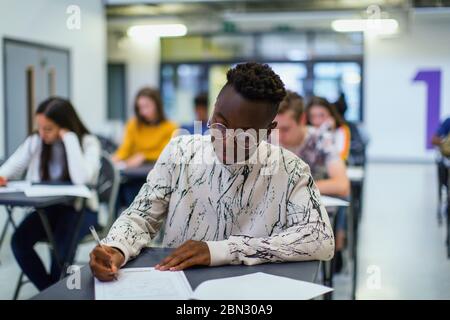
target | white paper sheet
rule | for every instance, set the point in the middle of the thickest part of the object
(58, 190)
(144, 284)
(15, 186)
(258, 286)
(334, 202)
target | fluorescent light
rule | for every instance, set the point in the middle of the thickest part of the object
(378, 26)
(143, 32)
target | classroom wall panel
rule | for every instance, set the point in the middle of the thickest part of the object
(398, 112)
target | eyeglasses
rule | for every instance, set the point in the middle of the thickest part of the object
(244, 138)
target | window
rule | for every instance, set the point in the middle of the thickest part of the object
(309, 63)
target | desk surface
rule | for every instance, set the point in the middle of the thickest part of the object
(334, 202)
(19, 199)
(137, 173)
(355, 174)
(306, 271)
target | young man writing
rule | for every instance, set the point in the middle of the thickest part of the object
(220, 205)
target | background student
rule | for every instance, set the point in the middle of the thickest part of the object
(145, 137)
(358, 137)
(201, 114)
(315, 147)
(324, 116)
(62, 151)
(440, 140)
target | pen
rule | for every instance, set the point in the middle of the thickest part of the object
(97, 239)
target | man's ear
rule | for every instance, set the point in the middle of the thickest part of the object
(272, 126)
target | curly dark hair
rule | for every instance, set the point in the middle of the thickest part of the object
(256, 81)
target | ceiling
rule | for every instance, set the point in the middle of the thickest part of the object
(248, 15)
(201, 7)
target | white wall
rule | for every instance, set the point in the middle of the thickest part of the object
(142, 62)
(395, 106)
(44, 21)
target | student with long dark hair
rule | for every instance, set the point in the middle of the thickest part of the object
(323, 115)
(61, 151)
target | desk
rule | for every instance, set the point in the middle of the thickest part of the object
(328, 267)
(334, 202)
(19, 199)
(139, 173)
(306, 271)
(355, 174)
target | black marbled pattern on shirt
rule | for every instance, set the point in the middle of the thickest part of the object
(265, 217)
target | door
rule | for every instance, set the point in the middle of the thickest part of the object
(33, 73)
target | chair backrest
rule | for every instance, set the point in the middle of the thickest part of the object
(107, 144)
(357, 155)
(108, 186)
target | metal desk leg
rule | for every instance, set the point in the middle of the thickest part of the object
(49, 233)
(355, 214)
(328, 266)
(448, 215)
(352, 236)
(73, 243)
(354, 247)
(9, 221)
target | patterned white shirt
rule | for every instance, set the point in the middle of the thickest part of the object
(260, 211)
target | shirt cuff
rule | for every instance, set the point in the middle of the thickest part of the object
(121, 247)
(219, 252)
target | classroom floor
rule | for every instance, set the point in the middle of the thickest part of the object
(401, 246)
(400, 240)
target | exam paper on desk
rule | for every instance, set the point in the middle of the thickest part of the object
(151, 284)
(15, 186)
(144, 284)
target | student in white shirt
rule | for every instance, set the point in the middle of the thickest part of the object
(226, 198)
(62, 151)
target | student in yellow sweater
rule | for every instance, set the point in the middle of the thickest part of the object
(147, 133)
(145, 137)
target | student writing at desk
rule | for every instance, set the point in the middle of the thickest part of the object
(229, 197)
(318, 150)
(61, 151)
(145, 137)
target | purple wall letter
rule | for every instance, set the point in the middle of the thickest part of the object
(432, 79)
